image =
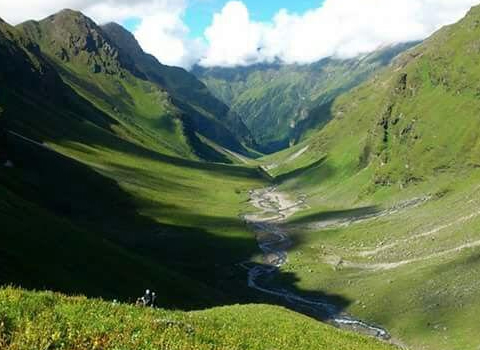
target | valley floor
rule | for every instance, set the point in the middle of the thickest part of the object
(406, 261)
(274, 241)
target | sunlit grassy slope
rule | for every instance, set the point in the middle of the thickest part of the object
(402, 155)
(46, 320)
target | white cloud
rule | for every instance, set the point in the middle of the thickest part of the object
(342, 28)
(233, 38)
(164, 35)
(161, 31)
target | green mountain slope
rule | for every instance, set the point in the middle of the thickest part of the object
(416, 120)
(99, 70)
(98, 189)
(281, 103)
(102, 205)
(392, 185)
(180, 84)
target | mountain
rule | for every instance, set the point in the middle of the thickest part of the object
(282, 103)
(35, 99)
(99, 65)
(71, 160)
(116, 187)
(106, 197)
(417, 119)
(179, 83)
(392, 182)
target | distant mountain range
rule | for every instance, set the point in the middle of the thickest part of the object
(281, 104)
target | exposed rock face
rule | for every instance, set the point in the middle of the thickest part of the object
(73, 36)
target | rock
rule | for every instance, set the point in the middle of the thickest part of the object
(8, 164)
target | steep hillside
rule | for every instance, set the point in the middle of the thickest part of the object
(99, 70)
(99, 189)
(392, 185)
(99, 202)
(415, 121)
(281, 103)
(180, 84)
(35, 100)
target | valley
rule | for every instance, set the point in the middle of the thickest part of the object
(331, 205)
(274, 243)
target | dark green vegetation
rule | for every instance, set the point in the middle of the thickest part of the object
(115, 197)
(393, 188)
(102, 208)
(282, 104)
(108, 196)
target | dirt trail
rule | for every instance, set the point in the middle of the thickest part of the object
(290, 159)
(297, 154)
(274, 208)
(347, 221)
(367, 253)
(30, 140)
(397, 264)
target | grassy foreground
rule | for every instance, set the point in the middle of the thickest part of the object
(46, 320)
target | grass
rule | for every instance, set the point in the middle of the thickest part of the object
(120, 191)
(409, 133)
(112, 212)
(45, 320)
(428, 302)
(160, 211)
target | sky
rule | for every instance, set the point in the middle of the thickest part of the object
(231, 33)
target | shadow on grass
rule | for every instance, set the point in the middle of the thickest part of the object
(300, 171)
(317, 304)
(338, 215)
(70, 229)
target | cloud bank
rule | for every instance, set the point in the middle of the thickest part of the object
(340, 28)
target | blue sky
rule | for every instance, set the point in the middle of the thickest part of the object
(200, 13)
(245, 31)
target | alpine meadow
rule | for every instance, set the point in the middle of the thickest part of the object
(307, 178)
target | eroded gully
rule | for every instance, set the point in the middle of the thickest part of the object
(274, 208)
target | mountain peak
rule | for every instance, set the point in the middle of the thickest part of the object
(70, 23)
(124, 39)
(72, 36)
(69, 13)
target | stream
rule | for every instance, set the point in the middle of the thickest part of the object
(274, 208)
